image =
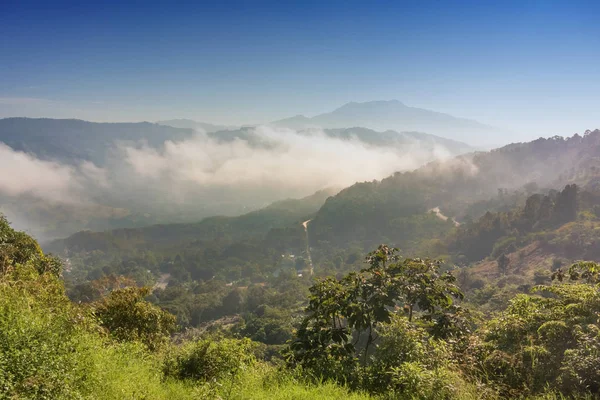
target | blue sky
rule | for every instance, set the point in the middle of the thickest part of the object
(530, 66)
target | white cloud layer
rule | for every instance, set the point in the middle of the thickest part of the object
(24, 174)
(203, 170)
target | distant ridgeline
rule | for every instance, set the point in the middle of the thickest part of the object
(397, 116)
(71, 140)
(74, 141)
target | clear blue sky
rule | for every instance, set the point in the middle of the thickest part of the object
(531, 66)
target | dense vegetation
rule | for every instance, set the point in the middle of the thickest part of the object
(278, 303)
(381, 211)
(398, 328)
(506, 243)
(118, 347)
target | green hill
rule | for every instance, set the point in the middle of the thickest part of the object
(372, 212)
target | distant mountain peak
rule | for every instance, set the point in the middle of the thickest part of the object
(383, 115)
(372, 104)
(378, 102)
(180, 120)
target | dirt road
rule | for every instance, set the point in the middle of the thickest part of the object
(441, 216)
(305, 225)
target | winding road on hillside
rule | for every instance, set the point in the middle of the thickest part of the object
(443, 217)
(305, 225)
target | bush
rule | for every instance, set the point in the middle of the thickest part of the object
(270, 325)
(409, 364)
(39, 343)
(541, 344)
(581, 366)
(504, 246)
(208, 360)
(128, 317)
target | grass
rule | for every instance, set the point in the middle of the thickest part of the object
(128, 372)
(265, 382)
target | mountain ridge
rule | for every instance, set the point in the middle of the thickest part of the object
(185, 123)
(394, 115)
(73, 140)
(372, 212)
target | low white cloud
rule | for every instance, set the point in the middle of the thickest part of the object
(208, 174)
(24, 174)
(292, 160)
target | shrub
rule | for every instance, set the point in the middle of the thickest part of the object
(503, 246)
(127, 317)
(408, 364)
(541, 344)
(39, 341)
(208, 360)
(580, 369)
(18, 248)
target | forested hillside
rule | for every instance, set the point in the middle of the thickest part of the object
(175, 236)
(441, 247)
(395, 210)
(380, 211)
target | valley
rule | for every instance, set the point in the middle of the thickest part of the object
(285, 200)
(325, 234)
(266, 278)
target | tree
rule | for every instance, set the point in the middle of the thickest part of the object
(343, 314)
(232, 303)
(503, 262)
(566, 204)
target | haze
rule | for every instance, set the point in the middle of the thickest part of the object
(530, 68)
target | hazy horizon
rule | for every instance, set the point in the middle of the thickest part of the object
(527, 67)
(514, 135)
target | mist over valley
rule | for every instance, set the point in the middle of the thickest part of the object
(72, 174)
(256, 200)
